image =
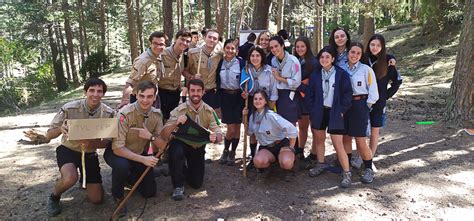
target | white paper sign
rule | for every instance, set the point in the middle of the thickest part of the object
(83, 129)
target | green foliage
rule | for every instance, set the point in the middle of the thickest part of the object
(96, 65)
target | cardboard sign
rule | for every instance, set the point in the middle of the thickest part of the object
(83, 129)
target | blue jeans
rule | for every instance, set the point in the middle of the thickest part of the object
(125, 170)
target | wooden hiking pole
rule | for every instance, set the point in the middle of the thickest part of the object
(135, 186)
(245, 130)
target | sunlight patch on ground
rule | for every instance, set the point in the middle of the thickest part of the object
(450, 153)
(225, 204)
(26, 161)
(412, 163)
(200, 194)
(466, 177)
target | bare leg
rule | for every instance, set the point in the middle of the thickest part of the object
(263, 159)
(374, 136)
(303, 124)
(320, 137)
(341, 153)
(68, 179)
(286, 158)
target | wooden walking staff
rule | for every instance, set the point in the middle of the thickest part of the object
(135, 186)
(83, 164)
(244, 116)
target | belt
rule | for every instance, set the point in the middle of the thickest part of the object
(359, 97)
(210, 90)
(231, 91)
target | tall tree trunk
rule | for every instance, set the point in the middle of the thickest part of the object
(240, 19)
(139, 25)
(207, 14)
(360, 29)
(260, 14)
(168, 18)
(70, 45)
(63, 50)
(226, 33)
(318, 26)
(460, 104)
(369, 22)
(132, 31)
(219, 17)
(279, 16)
(81, 31)
(57, 66)
(180, 9)
(102, 22)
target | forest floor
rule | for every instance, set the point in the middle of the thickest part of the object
(424, 171)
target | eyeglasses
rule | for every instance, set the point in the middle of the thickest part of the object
(156, 44)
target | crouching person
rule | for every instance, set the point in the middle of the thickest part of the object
(186, 162)
(276, 136)
(139, 126)
(68, 154)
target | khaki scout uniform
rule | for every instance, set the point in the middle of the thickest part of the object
(204, 116)
(173, 65)
(147, 66)
(208, 66)
(79, 110)
(130, 116)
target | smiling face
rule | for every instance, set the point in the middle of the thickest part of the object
(263, 41)
(277, 49)
(146, 98)
(94, 95)
(211, 39)
(355, 53)
(375, 46)
(230, 51)
(340, 38)
(255, 59)
(157, 45)
(301, 48)
(259, 101)
(195, 93)
(182, 43)
(326, 60)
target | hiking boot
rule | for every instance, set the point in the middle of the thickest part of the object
(309, 162)
(178, 193)
(356, 161)
(224, 157)
(367, 176)
(123, 211)
(231, 158)
(53, 208)
(317, 169)
(346, 179)
(250, 165)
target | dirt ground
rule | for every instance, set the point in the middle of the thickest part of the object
(424, 172)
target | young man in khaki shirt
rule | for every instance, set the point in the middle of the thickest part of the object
(68, 154)
(186, 162)
(140, 125)
(147, 66)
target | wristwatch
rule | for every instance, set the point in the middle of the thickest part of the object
(152, 138)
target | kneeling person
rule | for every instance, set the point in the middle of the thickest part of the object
(139, 126)
(68, 154)
(186, 162)
(276, 135)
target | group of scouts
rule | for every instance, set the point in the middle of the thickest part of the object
(342, 90)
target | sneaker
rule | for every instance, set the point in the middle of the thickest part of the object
(250, 166)
(224, 156)
(356, 161)
(367, 176)
(178, 193)
(309, 162)
(317, 169)
(346, 179)
(123, 211)
(231, 158)
(53, 208)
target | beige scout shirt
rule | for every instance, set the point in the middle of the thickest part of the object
(203, 116)
(145, 67)
(173, 66)
(208, 67)
(131, 116)
(79, 110)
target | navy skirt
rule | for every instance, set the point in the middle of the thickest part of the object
(288, 108)
(356, 119)
(232, 105)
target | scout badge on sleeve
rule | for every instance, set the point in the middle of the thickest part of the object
(192, 133)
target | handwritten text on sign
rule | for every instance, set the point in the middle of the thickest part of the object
(82, 129)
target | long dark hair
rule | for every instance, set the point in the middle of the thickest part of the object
(265, 96)
(261, 52)
(332, 41)
(308, 56)
(381, 67)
